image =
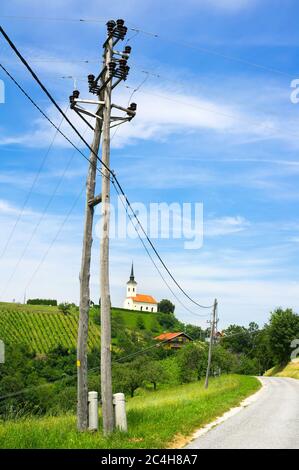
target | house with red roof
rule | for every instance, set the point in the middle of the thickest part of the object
(141, 302)
(174, 340)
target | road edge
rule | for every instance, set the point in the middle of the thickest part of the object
(228, 414)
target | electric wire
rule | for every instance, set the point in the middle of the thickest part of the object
(115, 179)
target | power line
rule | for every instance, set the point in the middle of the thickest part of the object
(115, 179)
(41, 218)
(45, 90)
(55, 238)
(153, 261)
(43, 113)
(180, 43)
(47, 18)
(11, 233)
(71, 376)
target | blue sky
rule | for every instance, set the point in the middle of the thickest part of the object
(215, 125)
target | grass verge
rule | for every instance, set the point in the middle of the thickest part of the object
(290, 370)
(155, 419)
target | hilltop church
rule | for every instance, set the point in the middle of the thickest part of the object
(141, 302)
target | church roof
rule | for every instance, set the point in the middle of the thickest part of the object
(144, 298)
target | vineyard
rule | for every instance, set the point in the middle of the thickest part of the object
(42, 328)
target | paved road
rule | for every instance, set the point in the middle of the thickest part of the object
(270, 422)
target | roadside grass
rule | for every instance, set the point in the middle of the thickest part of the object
(290, 370)
(155, 419)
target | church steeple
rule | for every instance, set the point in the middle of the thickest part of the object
(132, 273)
(131, 284)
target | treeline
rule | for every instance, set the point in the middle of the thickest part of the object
(259, 349)
(32, 383)
(51, 302)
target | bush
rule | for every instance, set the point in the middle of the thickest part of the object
(65, 308)
(51, 302)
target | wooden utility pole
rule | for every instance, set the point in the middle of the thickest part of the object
(82, 379)
(115, 70)
(106, 373)
(213, 322)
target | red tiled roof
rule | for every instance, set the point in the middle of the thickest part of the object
(144, 298)
(168, 336)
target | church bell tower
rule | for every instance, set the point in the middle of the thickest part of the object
(131, 284)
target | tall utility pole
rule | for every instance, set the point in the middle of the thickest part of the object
(115, 69)
(106, 372)
(213, 323)
(82, 387)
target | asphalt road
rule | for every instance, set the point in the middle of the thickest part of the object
(270, 422)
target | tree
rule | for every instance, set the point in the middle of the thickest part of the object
(283, 329)
(154, 373)
(117, 325)
(129, 376)
(195, 332)
(140, 323)
(168, 321)
(192, 360)
(237, 339)
(165, 306)
(64, 308)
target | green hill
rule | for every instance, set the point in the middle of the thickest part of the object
(44, 327)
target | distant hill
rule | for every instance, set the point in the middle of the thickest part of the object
(45, 327)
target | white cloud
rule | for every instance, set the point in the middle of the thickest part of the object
(225, 226)
(6, 208)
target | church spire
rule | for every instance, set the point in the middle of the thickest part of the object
(132, 273)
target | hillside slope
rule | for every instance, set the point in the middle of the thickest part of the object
(44, 327)
(290, 370)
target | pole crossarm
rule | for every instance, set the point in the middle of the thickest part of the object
(95, 200)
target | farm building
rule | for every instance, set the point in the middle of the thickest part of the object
(174, 340)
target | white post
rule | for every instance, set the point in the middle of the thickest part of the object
(93, 415)
(120, 416)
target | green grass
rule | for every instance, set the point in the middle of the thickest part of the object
(43, 327)
(155, 419)
(130, 318)
(290, 370)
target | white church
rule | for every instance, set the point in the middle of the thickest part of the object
(141, 302)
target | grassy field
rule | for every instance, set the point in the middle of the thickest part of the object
(290, 370)
(156, 419)
(44, 327)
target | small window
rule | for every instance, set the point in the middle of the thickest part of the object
(141, 307)
(146, 308)
(129, 289)
(133, 289)
(152, 309)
